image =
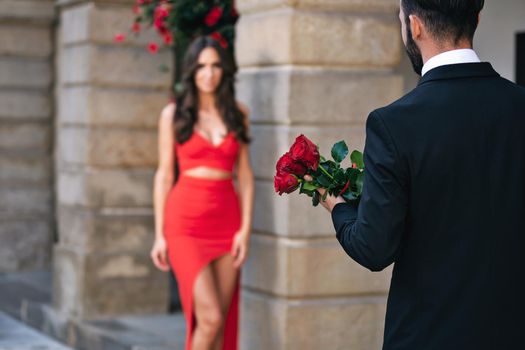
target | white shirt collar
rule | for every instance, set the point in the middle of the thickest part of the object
(450, 57)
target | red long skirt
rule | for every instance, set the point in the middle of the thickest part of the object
(201, 217)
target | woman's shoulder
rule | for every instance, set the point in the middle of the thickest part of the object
(166, 115)
(242, 107)
(169, 109)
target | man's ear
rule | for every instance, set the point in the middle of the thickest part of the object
(416, 26)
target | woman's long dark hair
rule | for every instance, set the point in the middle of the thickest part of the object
(187, 102)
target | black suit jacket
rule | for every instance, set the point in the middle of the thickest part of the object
(444, 199)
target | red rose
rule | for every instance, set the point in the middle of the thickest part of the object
(153, 48)
(136, 9)
(305, 151)
(217, 36)
(136, 27)
(213, 16)
(158, 23)
(161, 12)
(285, 183)
(168, 38)
(286, 164)
(162, 30)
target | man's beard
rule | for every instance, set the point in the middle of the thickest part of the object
(413, 52)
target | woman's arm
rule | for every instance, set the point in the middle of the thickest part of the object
(162, 183)
(246, 193)
(246, 188)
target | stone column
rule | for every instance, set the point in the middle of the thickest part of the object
(109, 99)
(26, 182)
(316, 67)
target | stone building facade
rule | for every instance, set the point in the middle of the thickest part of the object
(78, 119)
(27, 222)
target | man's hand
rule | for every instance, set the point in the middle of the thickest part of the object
(330, 201)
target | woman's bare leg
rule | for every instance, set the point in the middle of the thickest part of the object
(226, 276)
(207, 309)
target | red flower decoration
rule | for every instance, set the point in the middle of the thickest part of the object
(136, 9)
(217, 36)
(168, 38)
(305, 151)
(136, 27)
(213, 17)
(119, 38)
(153, 48)
(285, 183)
(286, 164)
(160, 14)
(158, 23)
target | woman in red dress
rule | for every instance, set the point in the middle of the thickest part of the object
(202, 223)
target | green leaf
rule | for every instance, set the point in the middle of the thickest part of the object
(325, 195)
(330, 166)
(340, 177)
(308, 186)
(315, 199)
(178, 87)
(163, 68)
(357, 158)
(308, 193)
(323, 180)
(339, 151)
(352, 174)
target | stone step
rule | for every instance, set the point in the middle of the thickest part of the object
(27, 296)
(17, 287)
(17, 336)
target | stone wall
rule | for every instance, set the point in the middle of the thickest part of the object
(26, 181)
(316, 67)
(109, 97)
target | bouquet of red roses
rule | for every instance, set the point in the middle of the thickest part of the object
(303, 158)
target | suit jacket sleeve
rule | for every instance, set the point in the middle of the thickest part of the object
(371, 232)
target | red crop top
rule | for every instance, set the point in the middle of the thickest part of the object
(198, 151)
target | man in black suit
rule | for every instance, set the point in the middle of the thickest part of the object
(444, 193)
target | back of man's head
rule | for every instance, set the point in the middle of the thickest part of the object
(446, 20)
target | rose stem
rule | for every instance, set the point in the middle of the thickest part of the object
(326, 172)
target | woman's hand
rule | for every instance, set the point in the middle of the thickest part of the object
(159, 254)
(240, 248)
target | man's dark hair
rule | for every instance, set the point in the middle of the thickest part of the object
(446, 19)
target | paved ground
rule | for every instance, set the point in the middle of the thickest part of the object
(17, 336)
